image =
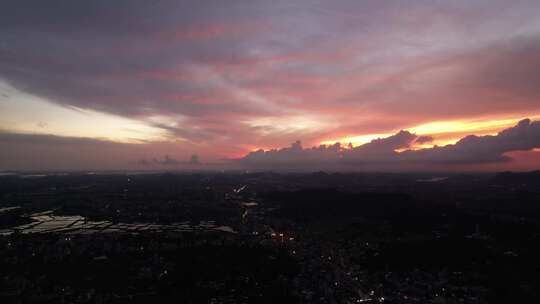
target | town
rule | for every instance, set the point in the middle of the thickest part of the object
(269, 238)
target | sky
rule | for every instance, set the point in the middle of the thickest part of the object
(308, 85)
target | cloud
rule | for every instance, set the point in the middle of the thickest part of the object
(393, 153)
(400, 140)
(424, 139)
(47, 139)
(137, 58)
(209, 68)
(473, 149)
(293, 155)
(169, 161)
(194, 160)
(50, 152)
(383, 152)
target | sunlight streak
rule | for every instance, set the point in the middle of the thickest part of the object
(443, 132)
(33, 115)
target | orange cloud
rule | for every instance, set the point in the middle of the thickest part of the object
(443, 132)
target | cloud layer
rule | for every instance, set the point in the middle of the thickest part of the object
(221, 80)
(394, 151)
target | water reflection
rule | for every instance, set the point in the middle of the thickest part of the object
(48, 222)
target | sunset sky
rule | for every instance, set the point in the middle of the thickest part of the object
(91, 85)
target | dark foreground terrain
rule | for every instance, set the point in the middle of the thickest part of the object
(270, 238)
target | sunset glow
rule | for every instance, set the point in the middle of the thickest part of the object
(443, 132)
(184, 78)
(356, 140)
(33, 115)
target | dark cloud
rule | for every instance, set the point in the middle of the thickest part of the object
(50, 152)
(382, 152)
(210, 68)
(473, 149)
(294, 155)
(424, 139)
(400, 140)
(117, 57)
(35, 152)
(170, 161)
(44, 139)
(139, 58)
(194, 160)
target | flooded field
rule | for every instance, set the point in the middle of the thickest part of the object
(48, 222)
